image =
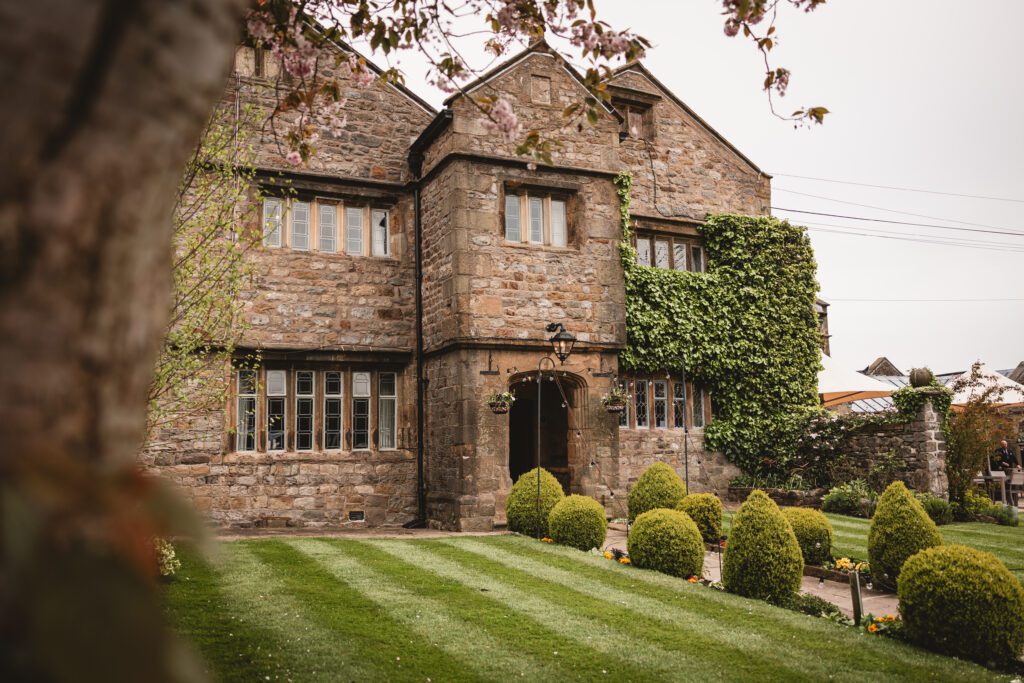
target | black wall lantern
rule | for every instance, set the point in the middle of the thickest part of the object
(562, 342)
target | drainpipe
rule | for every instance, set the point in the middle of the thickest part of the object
(421, 381)
(416, 151)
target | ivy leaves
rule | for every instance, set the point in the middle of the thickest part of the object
(745, 329)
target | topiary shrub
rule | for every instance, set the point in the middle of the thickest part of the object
(706, 512)
(899, 529)
(938, 509)
(963, 602)
(579, 522)
(667, 541)
(762, 559)
(813, 532)
(658, 487)
(521, 504)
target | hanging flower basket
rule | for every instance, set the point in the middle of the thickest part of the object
(615, 408)
(615, 400)
(500, 403)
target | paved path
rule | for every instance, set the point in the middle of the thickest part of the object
(875, 602)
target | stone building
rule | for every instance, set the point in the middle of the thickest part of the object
(417, 244)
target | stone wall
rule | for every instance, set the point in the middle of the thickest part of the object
(640, 448)
(917, 447)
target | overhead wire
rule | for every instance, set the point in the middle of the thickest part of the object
(888, 210)
(901, 189)
(892, 222)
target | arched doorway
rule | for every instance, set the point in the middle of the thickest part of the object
(554, 429)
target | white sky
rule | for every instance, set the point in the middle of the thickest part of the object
(924, 94)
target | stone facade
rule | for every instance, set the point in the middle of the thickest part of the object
(918, 449)
(337, 328)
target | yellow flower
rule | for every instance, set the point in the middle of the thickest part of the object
(547, 540)
(624, 560)
(890, 617)
(872, 628)
(692, 579)
(608, 555)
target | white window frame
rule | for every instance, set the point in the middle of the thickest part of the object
(380, 248)
(361, 394)
(698, 408)
(646, 401)
(273, 211)
(678, 400)
(559, 223)
(253, 396)
(535, 223)
(382, 399)
(282, 394)
(354, 239)
(656, 400)
(300, 226)
(512, 215)
(327, 230)
(338, 396)
(311, 397)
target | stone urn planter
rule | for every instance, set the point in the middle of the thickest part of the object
(921, 377)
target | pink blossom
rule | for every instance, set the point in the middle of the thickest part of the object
(293, 158)
(503, 120)
(732, 27)
(260, 30)
(362, 75)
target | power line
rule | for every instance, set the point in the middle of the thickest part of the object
(922, 237)
(882, 208)
(891, 222)
(917, 240)
(901, 189)
(830, 300)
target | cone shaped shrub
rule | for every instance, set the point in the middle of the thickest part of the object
(579, 522)
(658, 487)
(899, 529)
(706, 512)
(666, 541)
(521, 505)
(813, 532)
(762, 558)
(963, 602)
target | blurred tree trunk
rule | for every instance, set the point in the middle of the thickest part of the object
(102, 104)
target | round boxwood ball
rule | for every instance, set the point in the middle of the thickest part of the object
(963, 602)
(667, 541)
(521, 504)
(658, 487)
(706, 512)
(578, 521)
(813, 532)
(762, 558)
(899, 529)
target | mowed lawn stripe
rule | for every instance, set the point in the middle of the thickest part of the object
(232, 645)
(259, 591)
(447, 613)
(574, 619)
(342, 627)
(795, 634)
(684, 620)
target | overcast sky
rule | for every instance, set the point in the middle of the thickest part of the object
(924, 95)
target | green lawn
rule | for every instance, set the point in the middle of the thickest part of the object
(497, 608)
(1005, 542)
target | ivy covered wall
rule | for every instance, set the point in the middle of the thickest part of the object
(745, 329)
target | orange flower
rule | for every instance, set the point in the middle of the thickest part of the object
(624, 560)
(608, 555)
(547, 540)
(692, 579)
(872, 628)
